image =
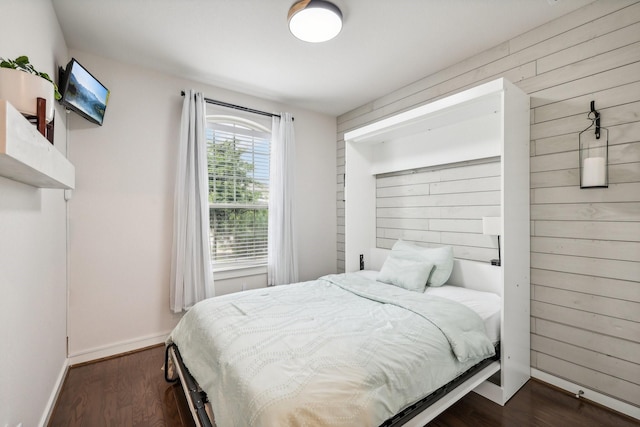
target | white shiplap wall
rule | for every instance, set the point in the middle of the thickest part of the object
(441, 206)
(585, 244)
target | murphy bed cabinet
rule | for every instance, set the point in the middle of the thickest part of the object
(490, 120)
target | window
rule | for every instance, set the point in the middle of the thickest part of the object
(238, 160)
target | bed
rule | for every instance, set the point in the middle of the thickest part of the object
(343, 350)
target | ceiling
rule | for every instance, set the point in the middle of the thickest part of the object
(245, 45)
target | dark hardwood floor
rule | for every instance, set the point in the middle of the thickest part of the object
(130, 390)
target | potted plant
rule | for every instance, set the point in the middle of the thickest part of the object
(21, 84)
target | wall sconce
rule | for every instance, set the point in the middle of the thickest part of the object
(493, 226)
(594, 153)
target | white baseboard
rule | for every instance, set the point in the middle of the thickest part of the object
(594, 396)
(116, 348)
(44, 420)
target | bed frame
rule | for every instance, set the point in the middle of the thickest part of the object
(416, 415)
(175, 370)
(468, 274)
(432, 405)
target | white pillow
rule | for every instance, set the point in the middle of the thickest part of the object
(410, 273)
(441, 258)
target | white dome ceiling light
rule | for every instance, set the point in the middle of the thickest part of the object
(315, 21)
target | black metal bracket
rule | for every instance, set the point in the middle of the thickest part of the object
(595, 118)
(195, 396)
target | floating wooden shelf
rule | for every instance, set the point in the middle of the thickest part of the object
(27, 156)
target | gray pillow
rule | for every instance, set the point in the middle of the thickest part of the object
(441, 258)
(410, 272)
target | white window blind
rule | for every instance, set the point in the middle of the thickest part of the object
(238, 192)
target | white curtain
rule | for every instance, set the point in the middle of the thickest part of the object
(282, 255)
(191, 276)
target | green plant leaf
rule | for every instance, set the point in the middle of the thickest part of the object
(7, 64)
(22, 60)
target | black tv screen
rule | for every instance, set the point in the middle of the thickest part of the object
(83, 93)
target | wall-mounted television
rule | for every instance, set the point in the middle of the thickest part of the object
(83, 93)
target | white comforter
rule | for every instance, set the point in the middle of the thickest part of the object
(338, 351)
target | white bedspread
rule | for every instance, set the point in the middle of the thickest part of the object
(338, 351)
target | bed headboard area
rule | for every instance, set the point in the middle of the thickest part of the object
(442, 205)
(480, 276)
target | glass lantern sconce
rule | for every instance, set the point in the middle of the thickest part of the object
(594, 153)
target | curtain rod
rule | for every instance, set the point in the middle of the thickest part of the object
(237, 107)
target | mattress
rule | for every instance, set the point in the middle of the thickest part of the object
(338, 351)
(487, 304)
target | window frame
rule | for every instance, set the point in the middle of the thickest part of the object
(237, 267)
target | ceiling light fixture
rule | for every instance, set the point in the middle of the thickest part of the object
(315, 21)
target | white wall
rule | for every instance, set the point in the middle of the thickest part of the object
(121, 211)
(32, 244)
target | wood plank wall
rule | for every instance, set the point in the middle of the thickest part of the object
(585, 244)
(441, 206)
